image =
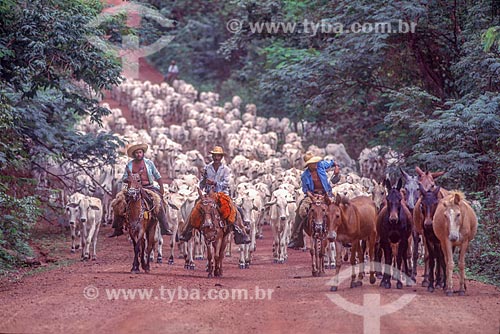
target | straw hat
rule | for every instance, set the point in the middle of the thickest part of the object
(310, 158)
(217, 150)
(133, 148)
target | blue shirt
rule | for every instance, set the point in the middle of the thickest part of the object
(153, 173)
(221, 177)
(307, 181)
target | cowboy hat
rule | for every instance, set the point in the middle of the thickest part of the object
(217, 150)
(313, 160)
(133, 148)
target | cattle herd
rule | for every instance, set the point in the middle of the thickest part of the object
(181, 125)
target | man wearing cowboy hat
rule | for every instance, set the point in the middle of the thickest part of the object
(216, 177)
(315, 180)
(148, 173)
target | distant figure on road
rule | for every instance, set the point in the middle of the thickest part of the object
(172, 74)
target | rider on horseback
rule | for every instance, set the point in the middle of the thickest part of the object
(148, 174)
(315, 180)
(216, 177)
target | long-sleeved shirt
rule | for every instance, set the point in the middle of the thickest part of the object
(307, 181)
(221, 177)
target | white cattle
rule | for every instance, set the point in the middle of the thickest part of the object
(280, 223)
(85, 212)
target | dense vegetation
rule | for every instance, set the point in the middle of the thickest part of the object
(47, 69)
(432, 94)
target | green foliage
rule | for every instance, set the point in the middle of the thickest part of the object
(48, 71)
(18, 217)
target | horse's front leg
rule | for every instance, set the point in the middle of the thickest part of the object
(338, 265)
(386, 280)
(355, 250)
(137, 250)
(210, 262)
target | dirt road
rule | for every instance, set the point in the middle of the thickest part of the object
(281, 298)
(103, 296)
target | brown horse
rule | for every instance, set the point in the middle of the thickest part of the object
(140, 221)
(215, 231)
(455, 224)
(426, 179)
(352, 221)
(316, 227)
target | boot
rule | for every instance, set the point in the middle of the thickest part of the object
(162, 220)
(240, 237)
(187, 233)
(298, 234)
(118, 227)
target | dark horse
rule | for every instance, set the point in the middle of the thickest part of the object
(316, 227)
(215, 231)
(394, 227)
(427, 205)
(141, 222)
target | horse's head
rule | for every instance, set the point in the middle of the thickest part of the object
(209, 209)
(411, 189)
(428, 204)
(426, 179)
(134, 187)
(335, 216)
(378, 194)
(317, 215)
(394, 199)
(453, 214)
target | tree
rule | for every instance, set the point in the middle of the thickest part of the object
(48, 71)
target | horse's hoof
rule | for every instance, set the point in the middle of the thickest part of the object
(242, 266)
(333, 288)
(275, 261)
(425, 284)
(210, 275)
(94, 258)
(247, 265)
(387, 285)
(372, 279)
(399, 285)
(159, 260)
(77, 246)
(430, 288)
(281, 261)
(449, 293)
(461, 292)
(315, 274)
(358, 284)
(439, 285)
(135, 271)
(191, 267)
(73, 251)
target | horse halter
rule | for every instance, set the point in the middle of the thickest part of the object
(319, 226)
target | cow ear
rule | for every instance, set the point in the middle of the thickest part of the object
(436, 191)
(95, 207)
(419, 171)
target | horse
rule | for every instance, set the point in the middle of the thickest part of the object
(351, 221)
(455, 225)
(140, 221)
(215, 231)
(316, 227)
(412, 194)
(426, 179)
(394, 226)
(424, 212)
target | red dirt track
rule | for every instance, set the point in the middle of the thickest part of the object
(61, 300)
